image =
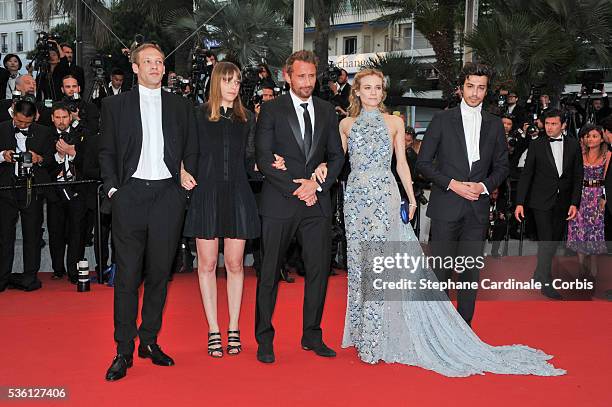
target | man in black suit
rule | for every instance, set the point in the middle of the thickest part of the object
(464, 154)
(84, 113)
(304, 130)
(21, 135)
(75, 70)
(551, 186)
(27, 86)
(146, 136)
(66, 213)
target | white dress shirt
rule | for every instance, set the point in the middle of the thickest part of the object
(62, 160)
(115, 91)
(21, 146)
(557, 151)
(151, 165)
(299, 111)
(472, 120)
(10, 86)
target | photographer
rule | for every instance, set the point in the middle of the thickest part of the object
(211, 61)
(115, 86)
(25, 90)
(513, 108)
(66, 214)
(84, 113)
(75, 70)
(26, 153)
(498, 219)
(341, 90)
(50, 82)
(267, 94)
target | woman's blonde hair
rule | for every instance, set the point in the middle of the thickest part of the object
(223, 71)
(355, 103)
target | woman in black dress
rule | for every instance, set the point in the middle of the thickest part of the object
(222, 205)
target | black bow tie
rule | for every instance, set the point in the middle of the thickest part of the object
(552, 140)
(25, 132)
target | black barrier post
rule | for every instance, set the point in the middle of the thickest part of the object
(100, 271)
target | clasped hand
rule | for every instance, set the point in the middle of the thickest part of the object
(468, 190)
(307, 191)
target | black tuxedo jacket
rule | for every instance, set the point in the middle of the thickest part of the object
(278, 132)
(443, 157)
(41, 142)
(121, 137)
(4, 77)
(540, 186)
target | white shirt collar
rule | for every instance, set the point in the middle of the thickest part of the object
(65, 131)
(144, 91)
(465, 108)
(297, 101)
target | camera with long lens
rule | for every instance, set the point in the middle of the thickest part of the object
(331, 74)
(250, 86)
(199, 63)
(179, 86)
(502, 101)
(24, 165)
(73, 103)
(17, 96)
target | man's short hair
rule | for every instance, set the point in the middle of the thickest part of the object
(304, 56)
(268, 84)
(69, 77)
(142, 47)
(508, 116)
(65, 44)
(117, 71)
(607, 123)
(59, 106)
(410, 130)
(26, 108)
(553, 113)
(475, 69)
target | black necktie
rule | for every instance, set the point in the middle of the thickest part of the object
(552, 140)
(307, 130)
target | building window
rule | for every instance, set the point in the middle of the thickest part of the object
(19, 10)
(4, 42)
(350, 45)
(367, 44)
(19, 42)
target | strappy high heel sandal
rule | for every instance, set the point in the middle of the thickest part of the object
(215, 349)
(234, 346)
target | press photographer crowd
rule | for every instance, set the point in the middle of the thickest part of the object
(558, 148)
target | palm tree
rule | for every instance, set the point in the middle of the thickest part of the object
(93, 33)
(436, 20)
(403, 74)
(547, 42)
(246, 31)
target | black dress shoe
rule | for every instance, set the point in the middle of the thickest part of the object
(286, 277)
(265, 354)
(154, 352)
(119, 367)
(321, 350)
(550, 292)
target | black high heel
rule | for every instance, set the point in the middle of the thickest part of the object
(215, 349)
(233, 337)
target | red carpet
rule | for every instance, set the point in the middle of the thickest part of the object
(57, 337)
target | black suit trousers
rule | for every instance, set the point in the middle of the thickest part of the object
(313, 232)
(65, 224)
(31, 224)
(550, 225)
(146, 227)
(463, 237)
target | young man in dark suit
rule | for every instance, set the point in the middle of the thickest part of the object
(147, 135)
(464, 154)
(551, 186)
(21, 135)
(304, 130)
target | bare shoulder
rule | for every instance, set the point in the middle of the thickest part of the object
(346, 124)
(395, 123)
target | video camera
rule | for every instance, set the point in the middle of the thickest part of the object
(178, 86)
(331, 74)
(97, 66)
(42, 48)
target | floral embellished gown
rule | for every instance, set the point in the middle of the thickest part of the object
(409, 330)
